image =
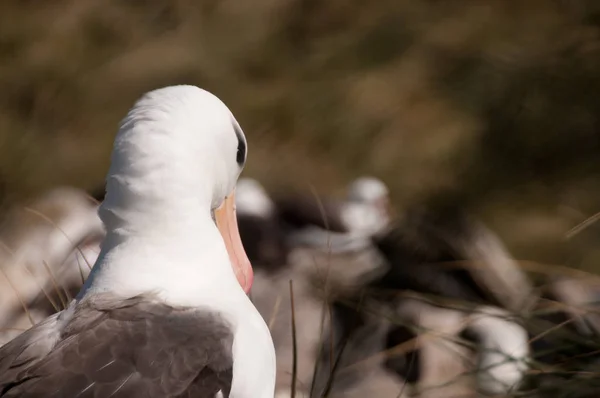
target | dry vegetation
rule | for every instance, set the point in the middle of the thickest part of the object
(492, 103)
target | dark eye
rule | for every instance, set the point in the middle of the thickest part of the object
(241, 149)
(241, 152)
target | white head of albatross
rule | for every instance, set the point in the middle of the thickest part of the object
(174, 166)
(368, 189)
(368, 210)
(164, 311)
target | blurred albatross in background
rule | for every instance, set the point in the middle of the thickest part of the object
(272, 227)
(164, 311)
(47, 251)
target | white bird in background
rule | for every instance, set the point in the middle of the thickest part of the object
(366, 212)
(503, 350)
(271, 227)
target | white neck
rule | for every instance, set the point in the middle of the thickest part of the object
(161, 239)
(187, 266)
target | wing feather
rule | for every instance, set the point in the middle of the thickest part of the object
(137, 348)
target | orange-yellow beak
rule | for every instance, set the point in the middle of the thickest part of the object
(226, 220)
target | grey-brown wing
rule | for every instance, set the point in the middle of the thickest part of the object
(27, 349)
(139, 348)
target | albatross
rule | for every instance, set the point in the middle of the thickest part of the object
(272, 227)
(165, 310)
(352, 223)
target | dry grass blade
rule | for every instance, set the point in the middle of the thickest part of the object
(274, 313)
(338, 357)
(23, 304)
(12, 254)
(324, 312)
(550, 330)
(67, 293)
(80, 272)
(405, 384)
(294, 344)
(424, 336)
(314, 192)
(51, 222)
(325, 274)
(323, 215)
(580, 356)
(530, 266)
(397, 350)
(326, 282)
(57, 289)
(90, 197)
(581, 226)
(12, 330)
(331, 337)
(46, 294)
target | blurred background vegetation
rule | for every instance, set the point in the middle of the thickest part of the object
(492, 104)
